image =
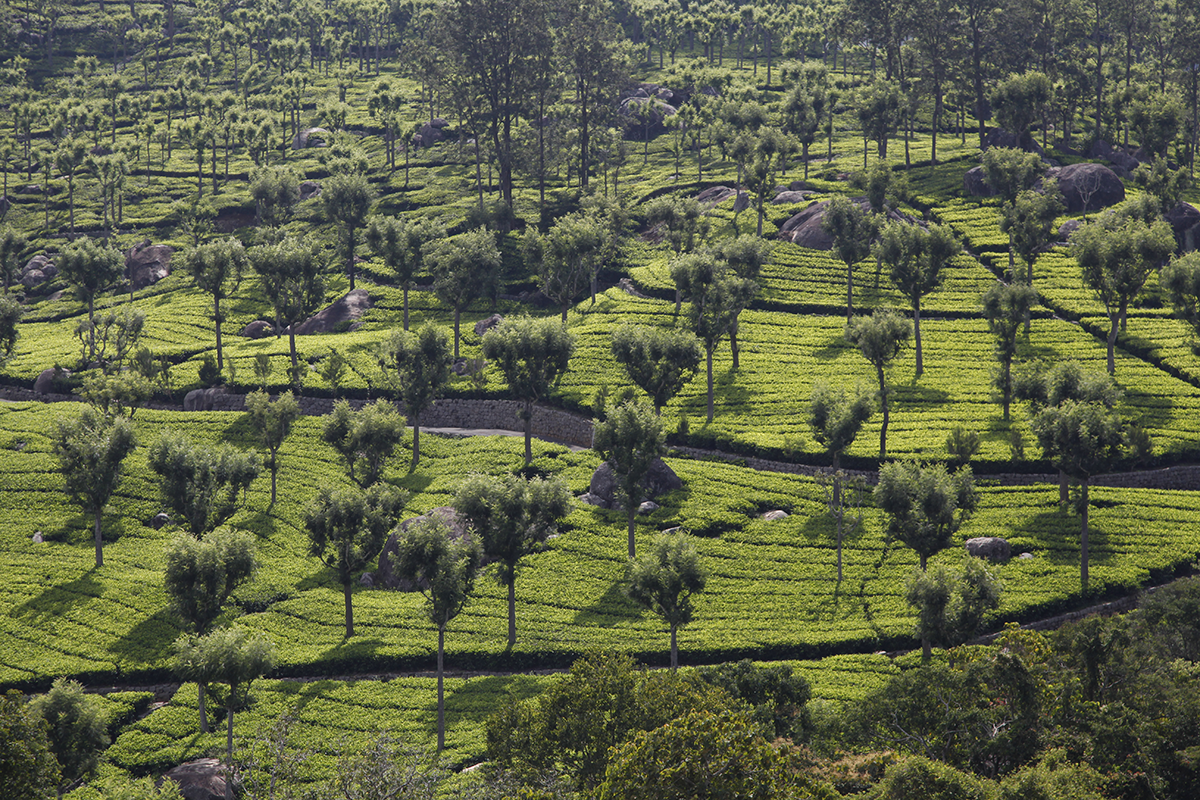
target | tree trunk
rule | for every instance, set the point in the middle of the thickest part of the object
(1083, 541)
(217, 322)
(295, 358)
(1112, 343)
(406, 305)
(441, 701)
(1007, 386)
(229, 753)
(99, 543)
(512, 610)
(274, 475)
(1064, 489)
(416, 426)
(733, 342)
(917, 336)
(838, 511)
(710, 384)
(457, 315)
(632, 510)
(849, 292)
(674, 649)
(883, 403)
(528, 432)
(203, 708)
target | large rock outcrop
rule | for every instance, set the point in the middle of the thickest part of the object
(1088, 187)
(338, 316)
(385, 576)
(603, 487)
(146, 264)
(202, 779)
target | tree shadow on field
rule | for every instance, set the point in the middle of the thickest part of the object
(609, 609)
(476, 699)
(1058, 536)
(58, 600)
(833, 348)
(916, 396)
(148, 640)
(240, 432)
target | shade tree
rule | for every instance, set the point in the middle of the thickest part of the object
(13, 244)
(836, 419)
(90, 269)
(76, 728)
(512, 517)
(217, 268)
(346, 199)
(199, 483)
(443, 570)
(744, 256)
(880, 338)
(26, 761)
(664, 579)
(465, 268)
(91, 449)
(951, 602)
(1005, 306)
(346, 530)
(630, 439)
(292, 280)
(272, 421)
(402, 243)
(1029, 222)
(418, 364)
(1181, 280)
(852, 228)
(532, 354)
(658, 361)
(365, 439)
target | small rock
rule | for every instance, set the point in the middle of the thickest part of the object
(40, 262)
(790, 196)
(367, 579)
(1025, 556)
(1067, 228)
(309, 190)
(715, 195)
(741, 203)
(146, 264)
(37, 537)
(485, 325)
(159, 520)
(648, 507)
(771, 516)
(993, 548)
(341, 313)
(591, 499)
(676, 529)
(626, 286)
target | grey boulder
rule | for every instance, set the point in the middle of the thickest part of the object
(992, 548)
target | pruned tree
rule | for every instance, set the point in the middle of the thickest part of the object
(1116, 254)
(951, 603)
(664, 579)
(630, 439)
(443, 570)
(744, 256)
(465, 268)
(880, 338)
(11, 312)
(1005, 306)
(90, 268)
(272, 421)
(91, 449)
(293, 283)
(717, 298)
(916, 256)
(1029, 223)
(421, 366)
(201, 484)
(346, 530)
(200, 577)
(232, 656)
(853, 229)
(28, 765)
(803, 113)
(217, 268)
(346, 199)
(401, 244)
(12, 249)
(365, 439)
(1019, 100)
(532, 354)
(512, 517)
(276, 191)
(1181, 280)
(836, 418)
(1081, 439)
(659, 361)
(568, 258)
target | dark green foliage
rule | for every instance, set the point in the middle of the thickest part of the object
(346, 199)
(201, 484)
(276, 191)
(347, 528)
(91, 449)
(201, 574)
(1020, 100)
(915, 257)
(925, 504)
(12, 248)
(1165, 184)
(1009, 171)
(74, 726)
(365, 439)
(10, 316)
(929, 780)
(272, 421)
(1005, 306)
(421, 366)
(951, 603)
(630, 439)
(1029, 222)
(217, 268)
(531, 354)
(513, 517)
(776, 695)
(658, 361)
(464, 269)
(880, 338)
(664, 579)
(26, 761)
(1181, 280)
(292, 281)
(401, 244)
(853, 229)
(90, 268)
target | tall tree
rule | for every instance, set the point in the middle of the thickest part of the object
(217, 268)
(745, 257)
(272, 421)
(346, 199)
(1029, 223)
(1081, 439)
(90, 268)
(401, 244)
(836, 418)
(26, 761)
(513, 517)
(346, 530)
(915, 256)
(199, 483)
(630, 439)
(443, 570)
(1005, 306)
(421, 362)
(880, 338)
(532, 354)
(365, 439)
(1181, 280)
(201, 575)
(1116, 254)
(951, 603)
(568, 257)
(76, 726)
(853, 229)
(69, 158)
(664, 579)
(91, 449)
(12, 249)
(657, 360)
(292, 280)
(465, 268)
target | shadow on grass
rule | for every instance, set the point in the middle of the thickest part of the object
(57, 600)
(148, 640)
(609, 609)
